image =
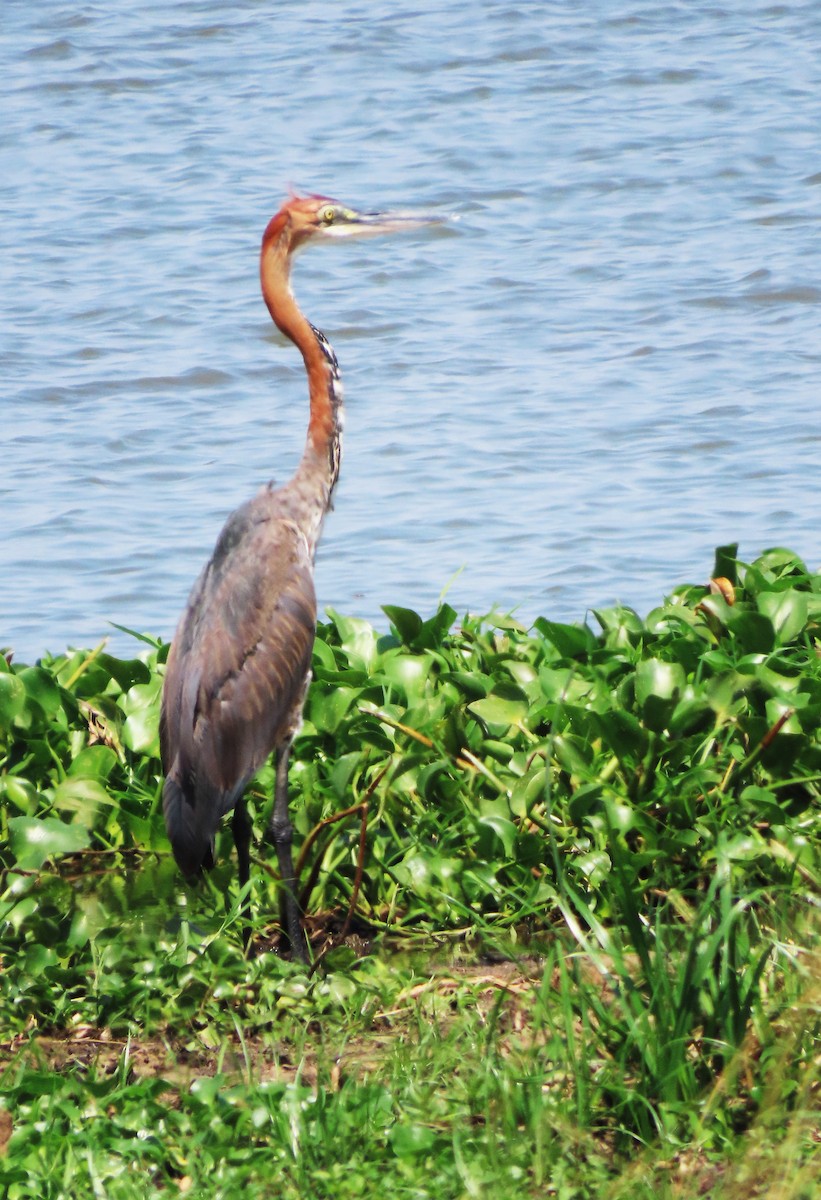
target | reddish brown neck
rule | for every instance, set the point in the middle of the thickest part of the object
(275, 264)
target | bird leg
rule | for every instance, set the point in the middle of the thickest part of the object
(242, 829)
(282, 833)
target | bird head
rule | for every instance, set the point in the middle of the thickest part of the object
(305, 218)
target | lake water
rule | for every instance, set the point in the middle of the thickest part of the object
(606, 367)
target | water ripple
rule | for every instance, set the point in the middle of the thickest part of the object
(606, 368)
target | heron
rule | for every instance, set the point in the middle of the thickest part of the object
(239, 664)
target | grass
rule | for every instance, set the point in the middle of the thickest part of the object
(583, 960)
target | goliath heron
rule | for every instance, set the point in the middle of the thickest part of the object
(239, 664)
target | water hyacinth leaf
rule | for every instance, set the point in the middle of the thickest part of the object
(357, 639)
(674, 618)
(505, 706)
(564, 684)
(324, 711)
(12, 697)
(779, 684)
(501, 751)
(41, 687)
(569, 640)
(16, 914)
(323, 655)
(658, 685)
(691, 711)
(595, 865)
(405, 621)
(585, 800)
(409, 672)
(787, 612)
(21, 793)
(341, 772)
(621, 625)
(93, 762)
(415, 872)
(433, 630)
(781, 711)
(84, 798)
(139, 732)
(34, 841)
(141, 728)
(752, 631)
(125, 672)
(623, 733)
(475, 686)
(360, 644)
(528, 791)
(780, 561)
(621, 817)
(525, 675)
(501, 830)
(572, 753)
(373, 732)
(655, 677)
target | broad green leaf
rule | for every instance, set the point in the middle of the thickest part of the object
(329, 710)
(654, 677)
(93, 762)
(12, 697)
(359, 641)
(595, 865)
(126, 672)
(776, 709)
(474, 685)
(410, 672)
(502, 829)
(140, 730)
(84, 798)
(433, 630)
(564, 684)
(753, 631)
(621, 626)
(405, 621)
(41, 686)
(20, 792)
(569, 640)
(572, 753)
(787, 611)
(623, 733)
(780, 561)
(415, 872)
(502, 710)
(34, 841)
(324, 655)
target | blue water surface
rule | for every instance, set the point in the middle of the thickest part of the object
(604, 368)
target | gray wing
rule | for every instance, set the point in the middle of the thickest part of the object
(236, 673)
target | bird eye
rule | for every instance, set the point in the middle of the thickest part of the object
(328, 216)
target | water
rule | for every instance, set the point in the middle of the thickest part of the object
(608, 366)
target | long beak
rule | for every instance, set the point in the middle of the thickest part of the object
(357, 224)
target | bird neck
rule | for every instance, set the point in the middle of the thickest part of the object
(323, 447)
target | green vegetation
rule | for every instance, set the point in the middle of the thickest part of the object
(581, 957)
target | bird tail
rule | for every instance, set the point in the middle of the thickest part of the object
(193, 847)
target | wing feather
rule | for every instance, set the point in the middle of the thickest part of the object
(236, 673)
